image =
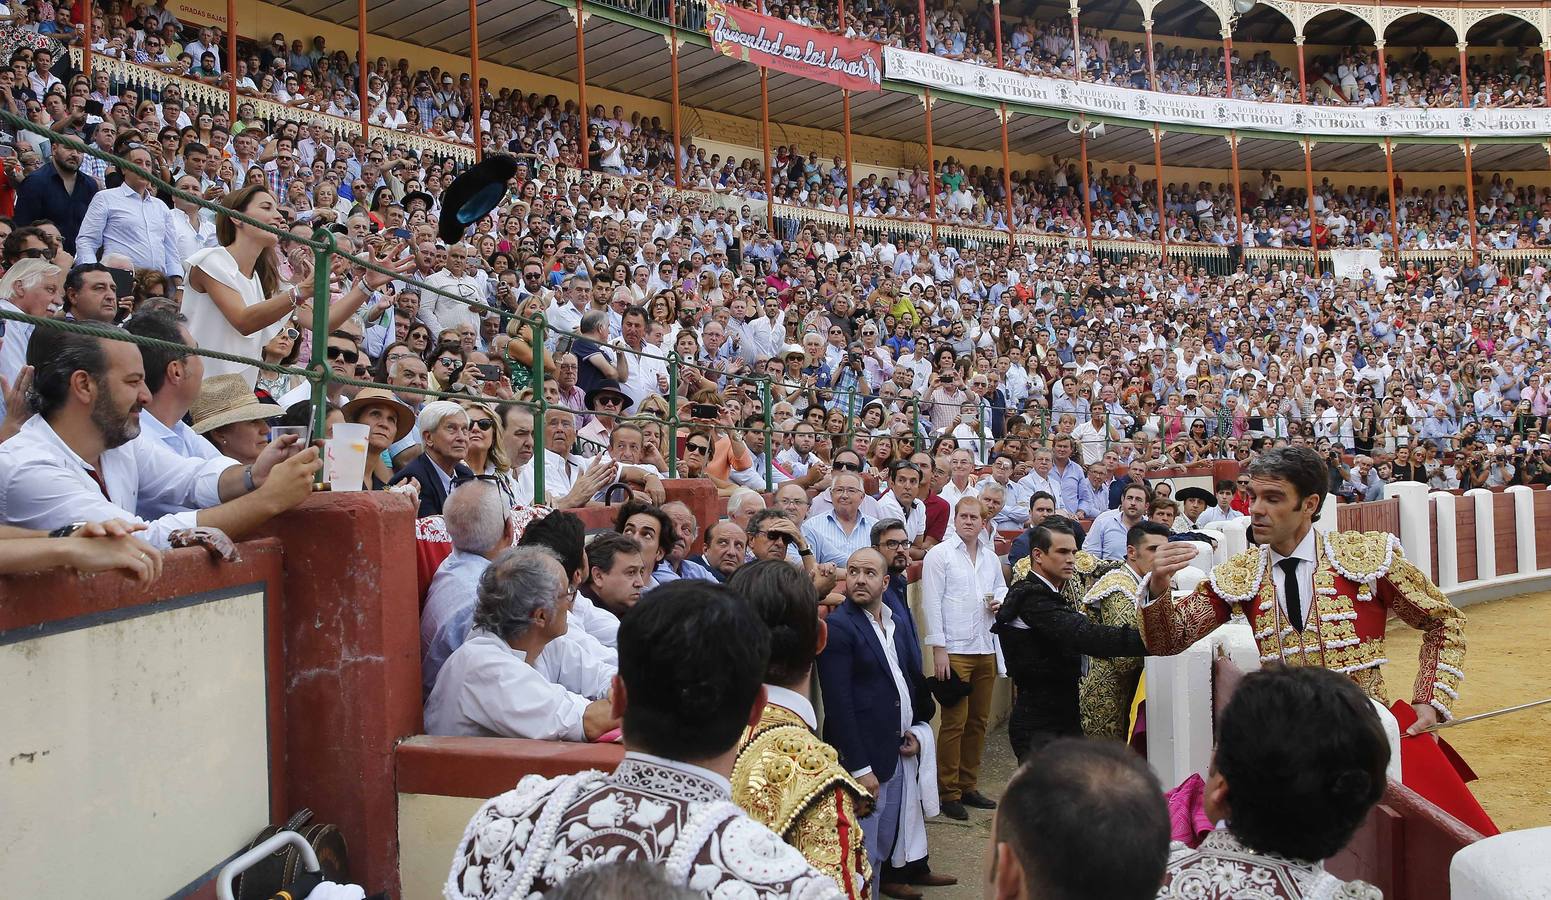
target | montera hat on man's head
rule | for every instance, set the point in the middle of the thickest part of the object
(1196, 493)
(472, 195)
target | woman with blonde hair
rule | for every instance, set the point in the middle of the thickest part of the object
(487, 450)
(233, 297)
(519, 350)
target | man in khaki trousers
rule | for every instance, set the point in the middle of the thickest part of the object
(962, 587)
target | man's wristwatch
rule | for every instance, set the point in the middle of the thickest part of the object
(804, 551)
(67, 530)
(247, 479)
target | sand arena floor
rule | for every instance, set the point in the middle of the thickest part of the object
(1507, 662)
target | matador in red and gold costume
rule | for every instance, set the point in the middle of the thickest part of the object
(1359, 579)
(1322, 599)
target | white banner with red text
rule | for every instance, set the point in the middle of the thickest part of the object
(1145, 107)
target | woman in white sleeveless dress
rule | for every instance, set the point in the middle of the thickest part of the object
(233, 297)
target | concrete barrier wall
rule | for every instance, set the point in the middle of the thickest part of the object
(143, 726)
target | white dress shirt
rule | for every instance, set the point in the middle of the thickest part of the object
(1218, 514)
(487, 689)
(119, 220)
(596, 621)
(951, 493)
(1304, 553)
(786, 698)
(44, 484)
(915, 521)
(954, 588)
(453, 313)
(180, 439)
(883, 629)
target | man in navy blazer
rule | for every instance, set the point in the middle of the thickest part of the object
(444, 429)
(870, 674)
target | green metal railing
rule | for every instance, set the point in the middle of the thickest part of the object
(321, 376)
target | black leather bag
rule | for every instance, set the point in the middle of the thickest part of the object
(283, 870)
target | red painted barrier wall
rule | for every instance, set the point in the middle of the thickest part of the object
(352, 667)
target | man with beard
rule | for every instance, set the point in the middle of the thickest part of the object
(78, 459)
(907, 865)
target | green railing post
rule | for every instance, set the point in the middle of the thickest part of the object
(673, 414)
(322, 266)
(764, 391)
(540, 453)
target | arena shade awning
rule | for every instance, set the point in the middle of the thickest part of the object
(629, 54)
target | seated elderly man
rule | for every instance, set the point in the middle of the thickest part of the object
(82, 458)
(444, 430)
(489, 686)
(480, 530)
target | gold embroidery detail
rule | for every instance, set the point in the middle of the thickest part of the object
(1105, 692)
(1240, 576)
(787, 778)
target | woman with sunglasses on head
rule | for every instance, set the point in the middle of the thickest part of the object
(281, 350)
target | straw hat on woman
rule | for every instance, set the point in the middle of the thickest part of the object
(232, 418)
(389, 420)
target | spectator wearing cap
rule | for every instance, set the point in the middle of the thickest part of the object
(78, 459)
(234, 420)
(389, 421)
(444, 432)
(607, 401)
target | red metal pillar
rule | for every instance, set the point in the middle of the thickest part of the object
(1152, 70)
(1470, 176)
(1383, 74)
(1238, 198)
(1308, 173)
(845, 112)
(86, 43)
(583, 139)
(931, 153)
(1303, 80)
(764, 141)
(1087, 209)
(1227, 57)
(673, 75)
(1157, 168)
(231, 56)
(364, 70)
(1002, 117)
(1545, 59)
(479, 144)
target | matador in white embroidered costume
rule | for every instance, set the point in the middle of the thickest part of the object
(530, 839)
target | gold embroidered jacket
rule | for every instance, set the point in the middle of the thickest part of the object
(1104, 695)
(789, 780)
(1359, 578)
